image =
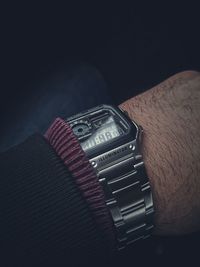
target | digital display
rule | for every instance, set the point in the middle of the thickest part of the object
(107, 131)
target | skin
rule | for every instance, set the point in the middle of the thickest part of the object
(170, 116)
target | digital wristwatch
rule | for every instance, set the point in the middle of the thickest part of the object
(111, 141)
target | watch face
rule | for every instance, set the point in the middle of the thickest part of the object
(106, 130)
(101, 129)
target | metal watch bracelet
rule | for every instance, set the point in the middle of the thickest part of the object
(127, 192)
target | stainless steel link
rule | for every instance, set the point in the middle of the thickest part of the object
(127, 192)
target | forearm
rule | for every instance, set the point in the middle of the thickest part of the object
(169, 114)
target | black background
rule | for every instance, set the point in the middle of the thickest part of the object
(134, 46)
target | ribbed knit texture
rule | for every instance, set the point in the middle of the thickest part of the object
(67, 146)
(44, 219)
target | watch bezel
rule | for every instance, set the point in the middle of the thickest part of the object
(131, 127)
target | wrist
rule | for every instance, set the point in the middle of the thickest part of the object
(168, 114)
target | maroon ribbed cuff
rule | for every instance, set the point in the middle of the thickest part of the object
(67, 146)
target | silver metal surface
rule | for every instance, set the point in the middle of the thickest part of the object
(123, 177)
(122, 174)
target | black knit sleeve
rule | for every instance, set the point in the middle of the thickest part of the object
(44, 220)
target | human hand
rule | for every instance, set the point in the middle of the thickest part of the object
(170, 116)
